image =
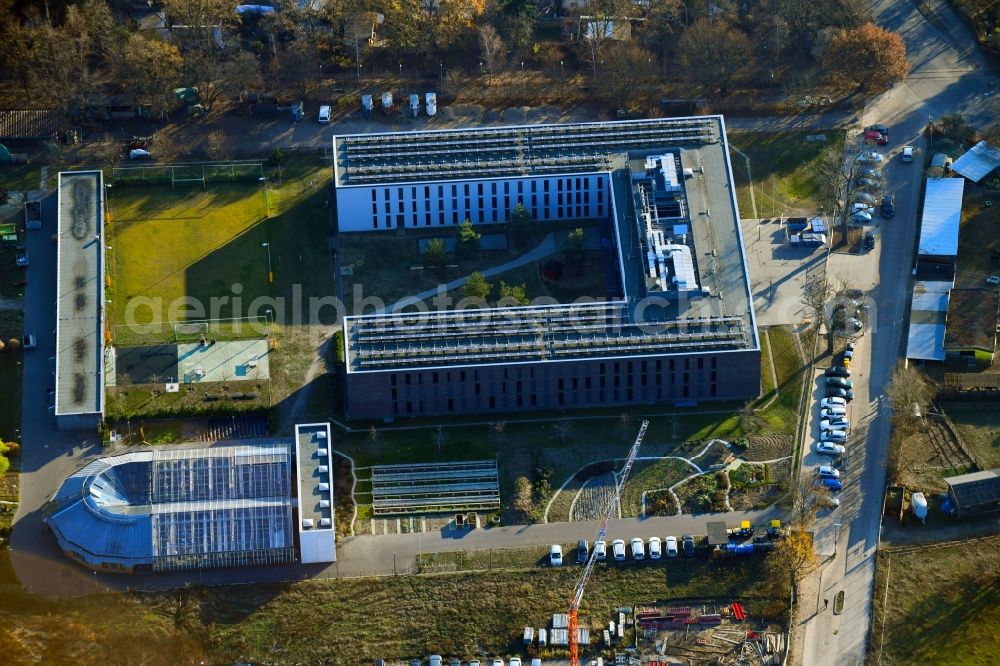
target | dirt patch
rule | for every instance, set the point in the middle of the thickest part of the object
(756, 487)
(702, 494)
(929, 455)
(768, 446)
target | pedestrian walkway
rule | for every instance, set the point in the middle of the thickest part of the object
(540, 251)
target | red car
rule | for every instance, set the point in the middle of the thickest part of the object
(871, 136)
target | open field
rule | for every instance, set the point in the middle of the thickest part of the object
(394, 618)
(783, 166)
(942, 605)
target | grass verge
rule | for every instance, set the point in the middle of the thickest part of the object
(942, 605)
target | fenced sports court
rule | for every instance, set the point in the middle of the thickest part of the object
(187, 173)
(435, 487)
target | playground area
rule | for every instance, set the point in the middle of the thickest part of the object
(190, 362)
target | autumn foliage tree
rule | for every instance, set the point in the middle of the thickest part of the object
(790, 559)
(867, 57)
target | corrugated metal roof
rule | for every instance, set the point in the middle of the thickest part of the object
(976, 489)
(942, 214)
(29, 123)
(926, 342)
(977, 162)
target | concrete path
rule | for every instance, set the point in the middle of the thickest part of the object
(540, 251)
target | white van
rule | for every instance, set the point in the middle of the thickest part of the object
(324, 114)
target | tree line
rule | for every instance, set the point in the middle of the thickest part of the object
(55, 53)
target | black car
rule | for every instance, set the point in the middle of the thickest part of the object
(888, 206)
(846, 394)
(838, 371)
(582, 551)
(687, 543)
(869, 241)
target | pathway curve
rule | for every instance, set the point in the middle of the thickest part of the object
(546, 247)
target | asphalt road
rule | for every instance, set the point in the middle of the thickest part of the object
(949, 75)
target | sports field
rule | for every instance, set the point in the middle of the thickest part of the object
(189, 253)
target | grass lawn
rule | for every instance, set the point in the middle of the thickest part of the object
(942, 607)
(781, 416)
(783, 166)
(11, 326)
(20, 177)
(197, 244)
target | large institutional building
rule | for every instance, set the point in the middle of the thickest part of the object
(680, 330)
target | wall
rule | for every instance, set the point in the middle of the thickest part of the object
(419, 205)
(554, 385)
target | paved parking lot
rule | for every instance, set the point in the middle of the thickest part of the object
(778, 273)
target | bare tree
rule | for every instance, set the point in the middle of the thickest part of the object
(910, 393)
(110, 150)
(166, 146)
(563, 429)
(493, 49)
(219, 145)
(803, 501)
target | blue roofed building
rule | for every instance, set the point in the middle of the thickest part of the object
(178, 508)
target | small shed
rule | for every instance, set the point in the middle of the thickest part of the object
(29, 125)
(977, 162)
(978, 492)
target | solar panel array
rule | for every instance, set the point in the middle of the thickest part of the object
(526, 334)
(513, 151)
(435, 487)
(221, 507)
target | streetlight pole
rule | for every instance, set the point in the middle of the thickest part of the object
(270, 273)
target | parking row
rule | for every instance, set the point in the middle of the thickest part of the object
(834, 423)
(653, 548)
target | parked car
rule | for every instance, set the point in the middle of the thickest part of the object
(671, 546)
(655, 548)
(555, 555)
(22, 260)
(829, 502)
(880, 128)
(830, 448)
(871, 157)
(582, 551)
(849, 350)
(455, 661)
(30, 341)
(838, 436)
(839, 382)
(907, 154)
(839, 393)
(828, 472)
(638, 549)
(830, 425)
(514, 661)
(864, 199)
(826, 403)
(869, 241)
(324, 114)
(434, 660)
(497, 662)
(600, 551)
(861, 217)
(993, 279)
(888, 206)
(687, 541)
(869, 172)
(835, 412)
(618, 549)
(832, 484)
(867, 184)
(837, 371)
(872, 136)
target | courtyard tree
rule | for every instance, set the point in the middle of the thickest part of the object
(435, 254)
(716, 53)
(468, 238)
(868, 57)
(153, 69)
(575, 247)
(477, 287)
(512, 295)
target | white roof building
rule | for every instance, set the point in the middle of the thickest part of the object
(942, 214)
(977, 162)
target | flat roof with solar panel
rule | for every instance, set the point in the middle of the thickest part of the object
(527, 150)
(677, 238)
